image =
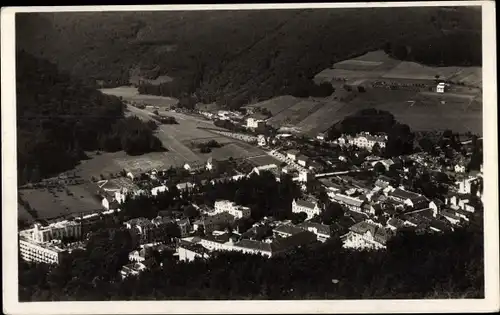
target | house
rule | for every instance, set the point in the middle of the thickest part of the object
(184, 226)
(322, 231)
(261, 140)
(158, 189)
(256, 120)
(386, 163)
(142, 230)
(132, 269)
(367, 235)
(302, 160)
(351, 203)
(460, 168)
(185, 186)
(115, 191)
(292, 154)
(441, 87)
(211, 164)
(309, 206)
(213, 222)
(468, 185)
(321, 137)
(395, 224)
(194, 167)
(188, 251)
(450, 216)
(233, 209)
(411, 199)
(286, 230)
(305, 176)
(364, 140)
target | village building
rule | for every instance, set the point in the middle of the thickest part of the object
(194, 167)
(256, 120)
(363, 140)
(322, 231)
(158, 189)
(188, 251)
(185, 186)
(309, 206)
(292, 154)
(286, 230)
(303, 160)
(132, 269)
(352, 203)
(441, 87)
(232, 208)
(367, 235)
(213, 222)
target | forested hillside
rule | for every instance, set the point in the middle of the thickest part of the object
(234, 57)
(59, 118)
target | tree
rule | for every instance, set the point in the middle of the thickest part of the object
(332, 213)
(299, 217)
(376, 149)
(379, 168)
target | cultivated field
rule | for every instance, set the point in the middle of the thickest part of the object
(295, 113)
(277, 104)
(322, 119)
(459, 108)
(63, 201)
(131, 94)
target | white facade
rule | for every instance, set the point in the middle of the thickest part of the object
(233, 209)
(302, 162)
(56, 231)
(254, 123)
(310, 210)
(441, 87)
(361, 241)
(158, 189)
(261, 140)
(189, 255)
(40, 252)
(459, 168)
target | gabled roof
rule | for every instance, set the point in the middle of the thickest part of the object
(320, 228)
(395, 222)
(287, 229)
(404, 194)
(305, 203)
(302, 157)
(348, 200)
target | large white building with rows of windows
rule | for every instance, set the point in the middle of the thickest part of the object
(43, 243)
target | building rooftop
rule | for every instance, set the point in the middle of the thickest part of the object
(320, 228)
(348, 200)
(404, 194)
(306, 203)
(288, 229)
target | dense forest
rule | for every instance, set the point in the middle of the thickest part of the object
(59, 118)
(413, 266)
(250, 55)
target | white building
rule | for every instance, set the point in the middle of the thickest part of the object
(364, 140)
(188, 251)
(233, 209)
(302, 160)
(159, 189)
(352, 203)
(212, 222)
(459, 168)
(42, 244)
(292, 154)
(441, 87)
(310, 207)
(367, 235)
(261, 140)
(255, 121)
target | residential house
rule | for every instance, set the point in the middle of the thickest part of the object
(188, 251)
(194, 167)
(261, 140)
(460, 168)
(351, 203)
(302, 160)
(142, 230)
(322, 231)
(286, 230)
(132, 269)
(256, 120)
(321, 137)
(213, 222)
(309, 206)
(237, 211)
(367, 235)
(395, 224)
(411, 199)
(292, 154)
(364, 140)
(184, 226)
(450, 216)
(185, 186)
(211, 164)
(158, 189)
(441, 87)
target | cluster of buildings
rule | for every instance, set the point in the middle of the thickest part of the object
(363, 140)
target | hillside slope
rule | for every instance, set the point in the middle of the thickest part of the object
(59, 118)
(230, 57)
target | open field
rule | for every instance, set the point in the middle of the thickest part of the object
(322, 119)
(295, 113)
(77, 198)
(278, 104)
(234, 149)
(131, 94)
(378, 65)
(459, 108)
